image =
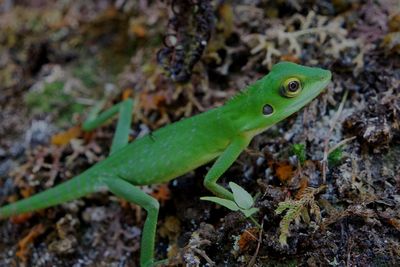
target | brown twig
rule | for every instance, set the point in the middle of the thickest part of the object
(253, 259)
(341, 143)
(326, 142)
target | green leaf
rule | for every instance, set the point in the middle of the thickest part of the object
(223, 202)
(242, 198)
(249, 212)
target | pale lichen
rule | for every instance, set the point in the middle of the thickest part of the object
(329, 35)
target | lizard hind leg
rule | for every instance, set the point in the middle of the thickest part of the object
(131, 193)
(124, 110)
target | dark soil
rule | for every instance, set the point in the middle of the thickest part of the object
(334, 164)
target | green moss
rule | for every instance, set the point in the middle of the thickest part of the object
(300, 151)
(41, 101)
(52, 99)
(87, 74)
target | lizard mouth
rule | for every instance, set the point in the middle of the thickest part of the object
(310, 93)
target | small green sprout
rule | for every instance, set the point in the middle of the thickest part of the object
(335, 157)
(300, 151)
(243, 201)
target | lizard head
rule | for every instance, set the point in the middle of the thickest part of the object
(285, 90)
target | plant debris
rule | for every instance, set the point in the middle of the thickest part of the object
(326, 180)
(190, 31)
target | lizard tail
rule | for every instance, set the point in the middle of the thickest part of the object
(74, 188)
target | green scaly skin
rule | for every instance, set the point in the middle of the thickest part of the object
(221, 133)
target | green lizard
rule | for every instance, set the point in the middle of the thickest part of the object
(221, 133)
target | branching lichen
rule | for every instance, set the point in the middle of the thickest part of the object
(278, 40)
(193, 250)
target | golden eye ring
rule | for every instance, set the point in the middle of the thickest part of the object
(291, 88)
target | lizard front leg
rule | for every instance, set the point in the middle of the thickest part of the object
(224, 161)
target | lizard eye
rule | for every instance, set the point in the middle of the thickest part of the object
(291, 87)
(268, 109)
